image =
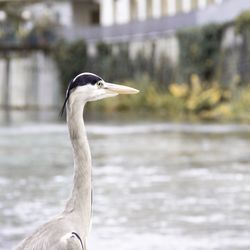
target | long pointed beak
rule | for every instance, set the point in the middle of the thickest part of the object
(120, 89)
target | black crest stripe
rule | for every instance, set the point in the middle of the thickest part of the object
(80, 80)
(66, 99)
(79, 238)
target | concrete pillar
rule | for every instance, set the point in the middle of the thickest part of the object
(156, 5)
(122, 11)
(142, 10)
(186, 5)
(47, 82)
(172, 7)
(2, 80)
(6, 101)
(107, 12)
(202, 4)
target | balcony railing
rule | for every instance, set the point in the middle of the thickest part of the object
(216, 13)
(137, 29)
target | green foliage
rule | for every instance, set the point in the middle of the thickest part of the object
(71, 60)
(240, 104)
(182, 101)
(200, 51)
(111, 63)
(176, 101)
(243, 27)
(243, 22)
(197, 97)
(199, 61)
(15, 29)
(42, 32)
(150, 99)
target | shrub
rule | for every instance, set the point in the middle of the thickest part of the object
(71, 59)
(200, 51)
(243, 27)
(242, 22)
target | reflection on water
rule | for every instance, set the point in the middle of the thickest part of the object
(156, 186)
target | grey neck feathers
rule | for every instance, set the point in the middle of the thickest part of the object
(80, 200)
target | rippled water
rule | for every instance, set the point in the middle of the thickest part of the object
(157, 186)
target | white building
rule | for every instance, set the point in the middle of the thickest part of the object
(124, 11)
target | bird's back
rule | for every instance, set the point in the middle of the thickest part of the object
(58, 234)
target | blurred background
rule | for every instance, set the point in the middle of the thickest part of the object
(171, 164)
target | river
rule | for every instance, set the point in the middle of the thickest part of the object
(157, 185)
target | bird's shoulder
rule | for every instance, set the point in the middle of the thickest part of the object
(72, 241)
(55, 234)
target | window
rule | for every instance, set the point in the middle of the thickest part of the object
(95, 17)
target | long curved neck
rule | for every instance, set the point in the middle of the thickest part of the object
(80, 200)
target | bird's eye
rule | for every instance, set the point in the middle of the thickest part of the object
(99, 84)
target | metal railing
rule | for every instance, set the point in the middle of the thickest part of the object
(150, 28)
(136, 30)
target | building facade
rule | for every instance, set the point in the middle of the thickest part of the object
(124, 11)
(85, 12)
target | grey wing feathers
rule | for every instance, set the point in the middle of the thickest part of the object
(70, 241)
(54, 235)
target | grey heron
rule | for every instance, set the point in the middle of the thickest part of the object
(70, 229)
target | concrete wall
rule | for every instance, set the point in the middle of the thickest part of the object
(33, 82)
(167, 46)
(124, 11)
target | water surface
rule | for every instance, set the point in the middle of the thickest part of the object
(160, 186)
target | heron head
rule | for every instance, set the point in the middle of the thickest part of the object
(90, 87)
